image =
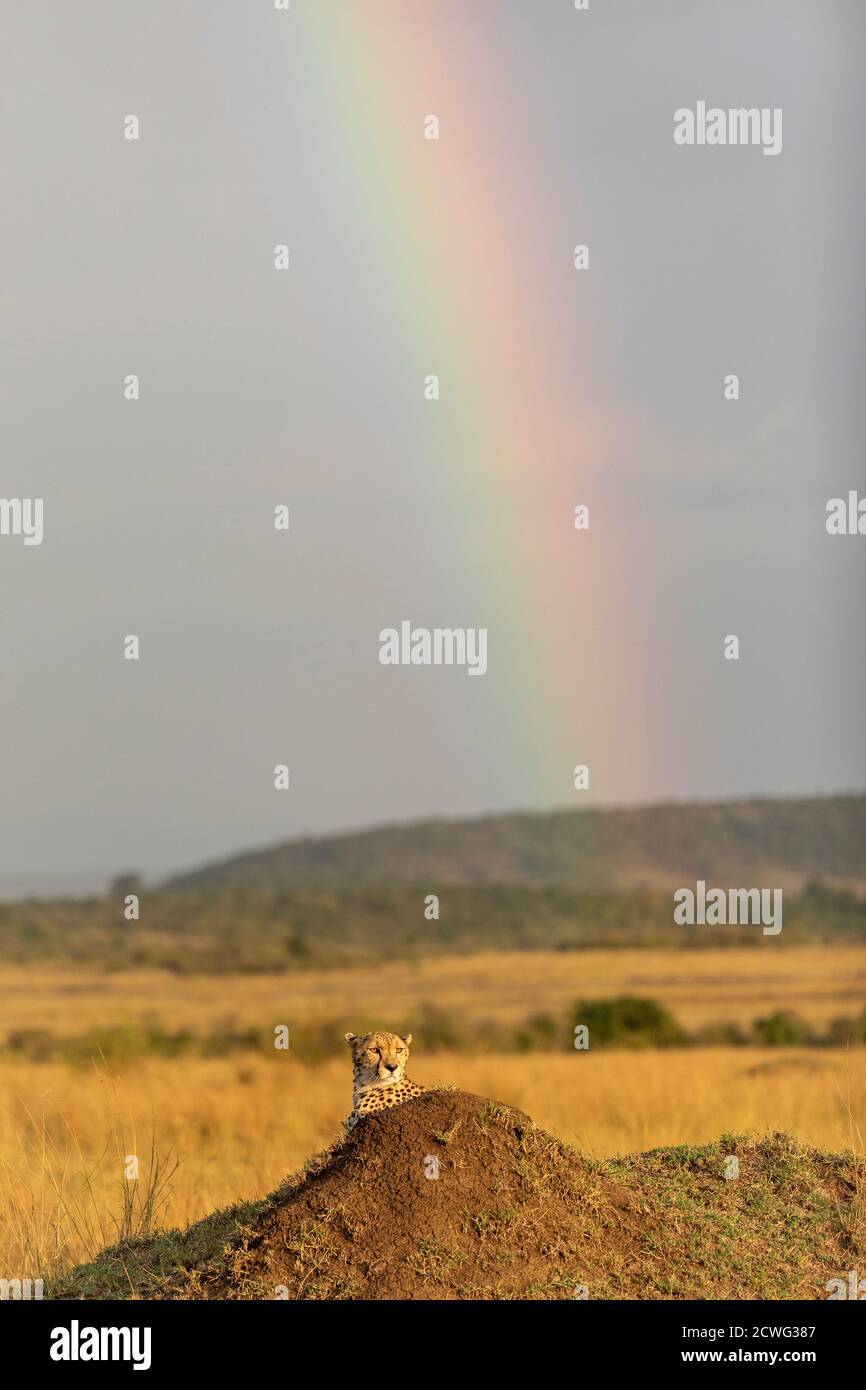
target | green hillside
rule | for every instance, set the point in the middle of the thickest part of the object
(224, 930)
(563, 881)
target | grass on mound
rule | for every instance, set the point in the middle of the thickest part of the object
(513, 1214)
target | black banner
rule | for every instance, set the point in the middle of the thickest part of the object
(153, 1338)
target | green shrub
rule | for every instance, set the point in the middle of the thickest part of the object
(844, 1031)
(538, 1034)
(627, 1021)
(782, 1029)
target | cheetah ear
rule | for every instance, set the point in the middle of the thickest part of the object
(350, 1038)
(407, 1039)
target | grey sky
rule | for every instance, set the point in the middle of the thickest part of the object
(155, 257)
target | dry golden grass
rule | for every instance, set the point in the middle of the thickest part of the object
(698, 986)
(238, 1127)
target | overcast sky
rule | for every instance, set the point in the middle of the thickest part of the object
(305, 387)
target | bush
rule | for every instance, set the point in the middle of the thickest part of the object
(782, 1029)
(720, 1035)
(538, 1034)
(627, 1021)
(844, 1031)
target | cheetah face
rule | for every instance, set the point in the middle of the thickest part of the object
(379, 1059)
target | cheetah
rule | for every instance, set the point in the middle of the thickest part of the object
(379, 1067)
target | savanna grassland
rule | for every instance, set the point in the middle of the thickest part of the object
(149, 1038)
(700, 987)
(102, 1066)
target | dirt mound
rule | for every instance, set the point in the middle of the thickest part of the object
(454, 1196)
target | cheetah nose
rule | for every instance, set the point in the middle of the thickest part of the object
(390, 1066)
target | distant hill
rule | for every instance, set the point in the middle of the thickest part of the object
(564, 881)
(778, 843)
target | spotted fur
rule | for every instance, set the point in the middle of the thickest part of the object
(379, 1074)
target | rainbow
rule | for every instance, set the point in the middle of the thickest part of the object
(461, 232)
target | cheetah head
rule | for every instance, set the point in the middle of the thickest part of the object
(379, 1059)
